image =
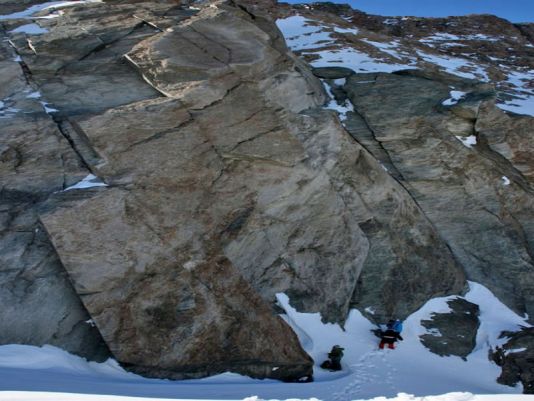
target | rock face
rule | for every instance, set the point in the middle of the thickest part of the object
(224, 181)
(35, 161)
(516, 358)
(221, 179)
(220, 194)
(453, 333)
(462, 159)
(480, 215)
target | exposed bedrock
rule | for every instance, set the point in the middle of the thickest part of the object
(516, 357)
(227, 184)
(464, 164)
(39, 305)
(454, 332)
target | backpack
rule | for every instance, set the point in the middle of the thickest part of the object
(397, 326)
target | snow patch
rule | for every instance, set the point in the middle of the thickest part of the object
(190, 265)
(6, 111)
(519, 105)
(353, 59)
(342, 109)
(369, 310)
(391, 48)
(27, 14)
(456, 66)
(515, 351)
(34, 95)
(307, 36)
(88, 182)
(467, 141)
(47, 109)
(447, 37)
(455, 97)
(506, 180)
(495, 317)
(522, 92)
(353, 31)
(30, 29)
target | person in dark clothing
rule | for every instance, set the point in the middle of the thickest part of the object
(389, 337)
(335, 356)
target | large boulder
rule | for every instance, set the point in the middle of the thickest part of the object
(454, 332)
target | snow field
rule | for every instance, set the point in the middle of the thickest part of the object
(29, 373)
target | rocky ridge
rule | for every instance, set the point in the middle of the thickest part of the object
(215, 179)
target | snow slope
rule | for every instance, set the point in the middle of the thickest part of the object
(367, 372)
(37, 396)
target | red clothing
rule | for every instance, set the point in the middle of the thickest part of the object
(389, 337)
(383, 343)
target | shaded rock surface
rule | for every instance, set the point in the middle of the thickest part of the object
(35, 161)
(453, 333)
(516, 358)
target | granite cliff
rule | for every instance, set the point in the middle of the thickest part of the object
(169, 167)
